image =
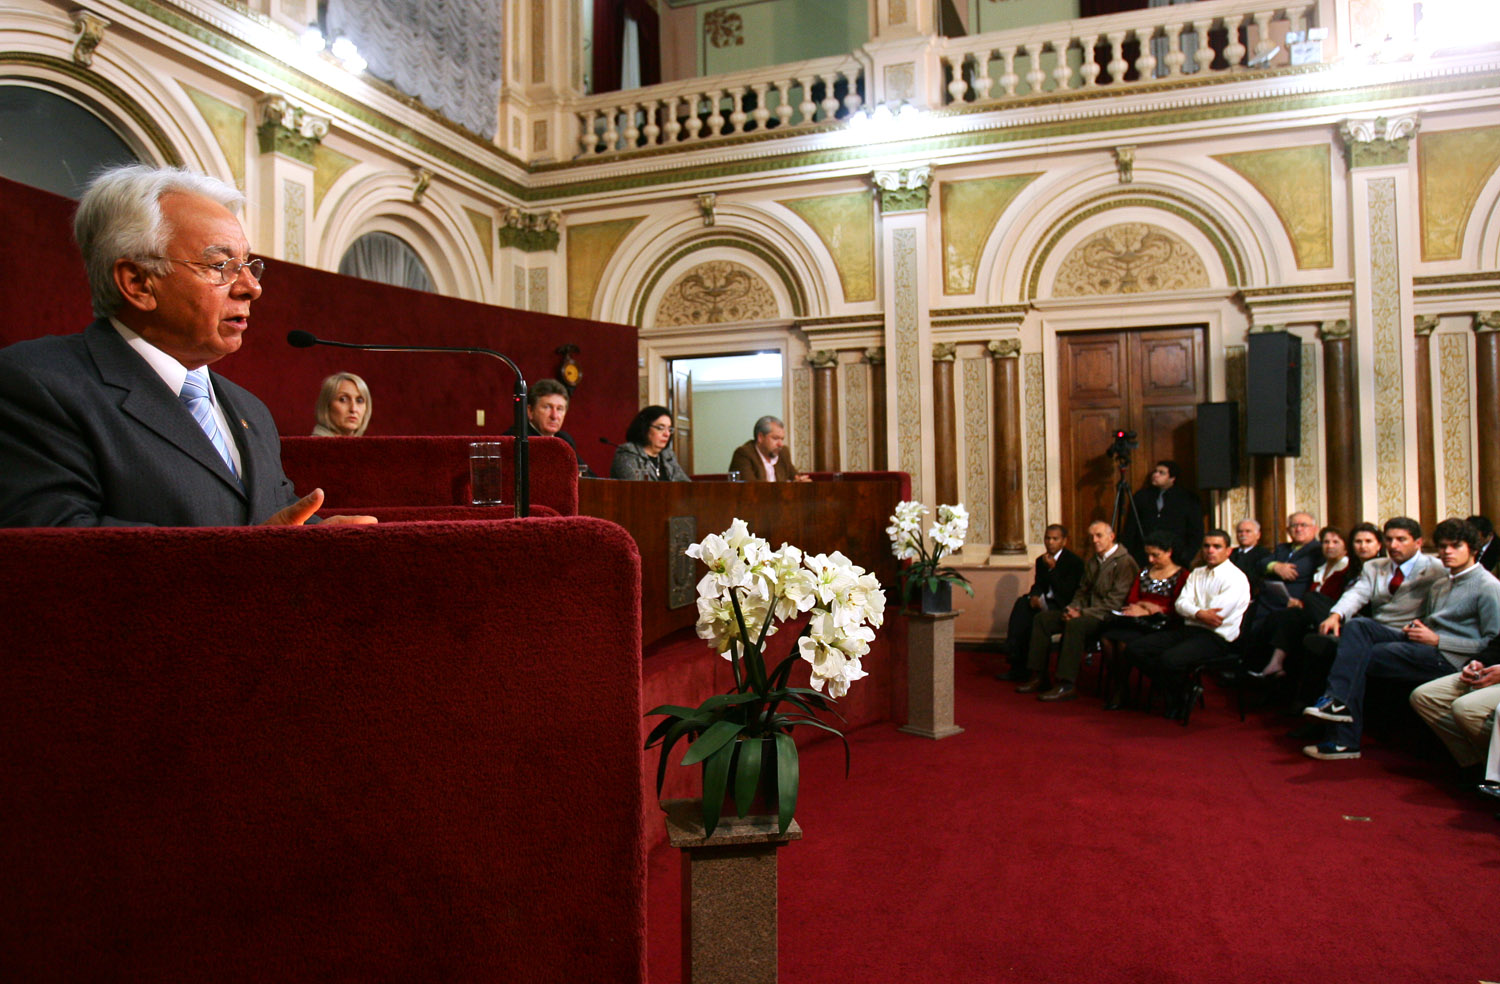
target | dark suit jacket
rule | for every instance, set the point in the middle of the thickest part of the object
(1062, 580)
(531, 431)
(1252, 562)
(91, 436)
(747, 462)
(1179, 515)
(1489, 557)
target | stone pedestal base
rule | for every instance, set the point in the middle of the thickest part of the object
(929, 688)
(728, 894)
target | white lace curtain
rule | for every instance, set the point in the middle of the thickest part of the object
(446, 54)
(386, 259)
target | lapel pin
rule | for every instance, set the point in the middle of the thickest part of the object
(244, 423)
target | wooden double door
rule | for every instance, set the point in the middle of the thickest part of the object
(1146, 380)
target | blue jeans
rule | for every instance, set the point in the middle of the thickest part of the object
(1366, 649)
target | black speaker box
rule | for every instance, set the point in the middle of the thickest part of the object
(1218, 445)
(1273, 394)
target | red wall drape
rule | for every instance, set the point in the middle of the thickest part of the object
(609, 31)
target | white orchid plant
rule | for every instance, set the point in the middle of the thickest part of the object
(743, 737)
(908, 543)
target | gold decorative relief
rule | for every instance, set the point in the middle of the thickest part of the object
(856, 377)
(970, 210)
(1390, 401)
(846, 225)
(715, 293)
(227, 123)
(1297, 182)
(1308, 472)
(1458, 476)
(802, 408)
(900, 82)
(1129, 258)
(898, 11)
(976, 375)
(1033, 396)
(1453, 166)
(295, 215)
(536, 289)
(908, 356)
(590, 247)
(484, 228)
(518, 297)
(724, 29)
(1234, 391)
(328, 167)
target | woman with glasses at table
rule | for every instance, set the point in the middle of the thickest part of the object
(645, 457)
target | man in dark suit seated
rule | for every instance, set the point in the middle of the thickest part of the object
(1249, 556)
(123, 425)
(1162, 504)
(1290, 570)
(764, 458)
(1489, 544)
(546, 406)
(1058, 571)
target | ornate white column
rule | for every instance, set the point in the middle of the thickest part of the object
(1385, 235)
(288, 135)
(903, 197)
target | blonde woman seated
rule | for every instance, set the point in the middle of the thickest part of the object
(343, 406)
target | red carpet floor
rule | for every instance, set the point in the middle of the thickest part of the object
(1061, 843)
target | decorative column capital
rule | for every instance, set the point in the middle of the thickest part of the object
(875, 356)
(823, 358)
(421, 180)
(1334, 331)
(286, 128)
(530, 232)
(944, 351)
(90, 27)
(1377, 142)
(1423, 324)
(905, 190)
(1005, 348)
(1125, 163)
(708, 201)
(1486, 321)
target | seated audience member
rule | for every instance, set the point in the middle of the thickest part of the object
(645, 457)
(1365, 544)
(1212, 604)
(1058, 571)
(1107, 576)
(1249, 556)
(123, 425)
(1152, 602)
(1459, 614)
(1489, 545)
(343, 408)
(1460, 707)
(1284, 629)
(1162, 504)
(765, 458)
(546, 406)
(1289, 571)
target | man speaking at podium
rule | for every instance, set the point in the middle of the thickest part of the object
(123, 425)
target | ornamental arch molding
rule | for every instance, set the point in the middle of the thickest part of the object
(1236, 240)
(369, 200)
(657, 255)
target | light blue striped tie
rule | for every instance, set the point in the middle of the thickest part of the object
(195, 395)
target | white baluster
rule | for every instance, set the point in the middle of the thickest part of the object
(1035, 77)
(783, 102)
(1062, 72)
(1174, 56)
(958, 87)
(852, 99)
(807, 108)
(1145, 66)
(1234, 52)
(830, 103)
(1009, 79)
(1205, 53)
(694, 121)
(1263, 32)
(737, 118)
(762, 111)
(982, 82)
(632, 132)
(1298, 17)
(588, 140)
(651, 130)
(611, 133)
(1118, 66)
(715, 118)
(674, 126)
(1089, 68)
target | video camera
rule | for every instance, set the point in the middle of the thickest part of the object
(1124, 442)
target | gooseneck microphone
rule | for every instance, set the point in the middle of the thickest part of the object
(306, 339)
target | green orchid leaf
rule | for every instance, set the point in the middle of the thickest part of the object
(786, 780)
(673, 709)
(747, 774)
(727, 700)
(716, 737)
(783, 672)
(715, 778)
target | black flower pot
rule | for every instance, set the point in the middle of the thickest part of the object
(939, 601)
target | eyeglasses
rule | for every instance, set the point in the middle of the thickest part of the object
(662, 428)
(225, 272)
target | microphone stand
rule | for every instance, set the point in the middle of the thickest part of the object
(302, 339)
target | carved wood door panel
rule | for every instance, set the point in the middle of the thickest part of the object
(1149, 381)
(680, 403)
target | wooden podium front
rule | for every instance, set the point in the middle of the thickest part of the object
(848, 514)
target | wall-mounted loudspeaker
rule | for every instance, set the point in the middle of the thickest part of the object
(1273, 394)
(1218, 445)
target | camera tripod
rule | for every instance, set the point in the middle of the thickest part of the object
(1124, 500)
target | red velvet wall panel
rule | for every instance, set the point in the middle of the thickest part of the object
(336, 753)
(411, 393)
